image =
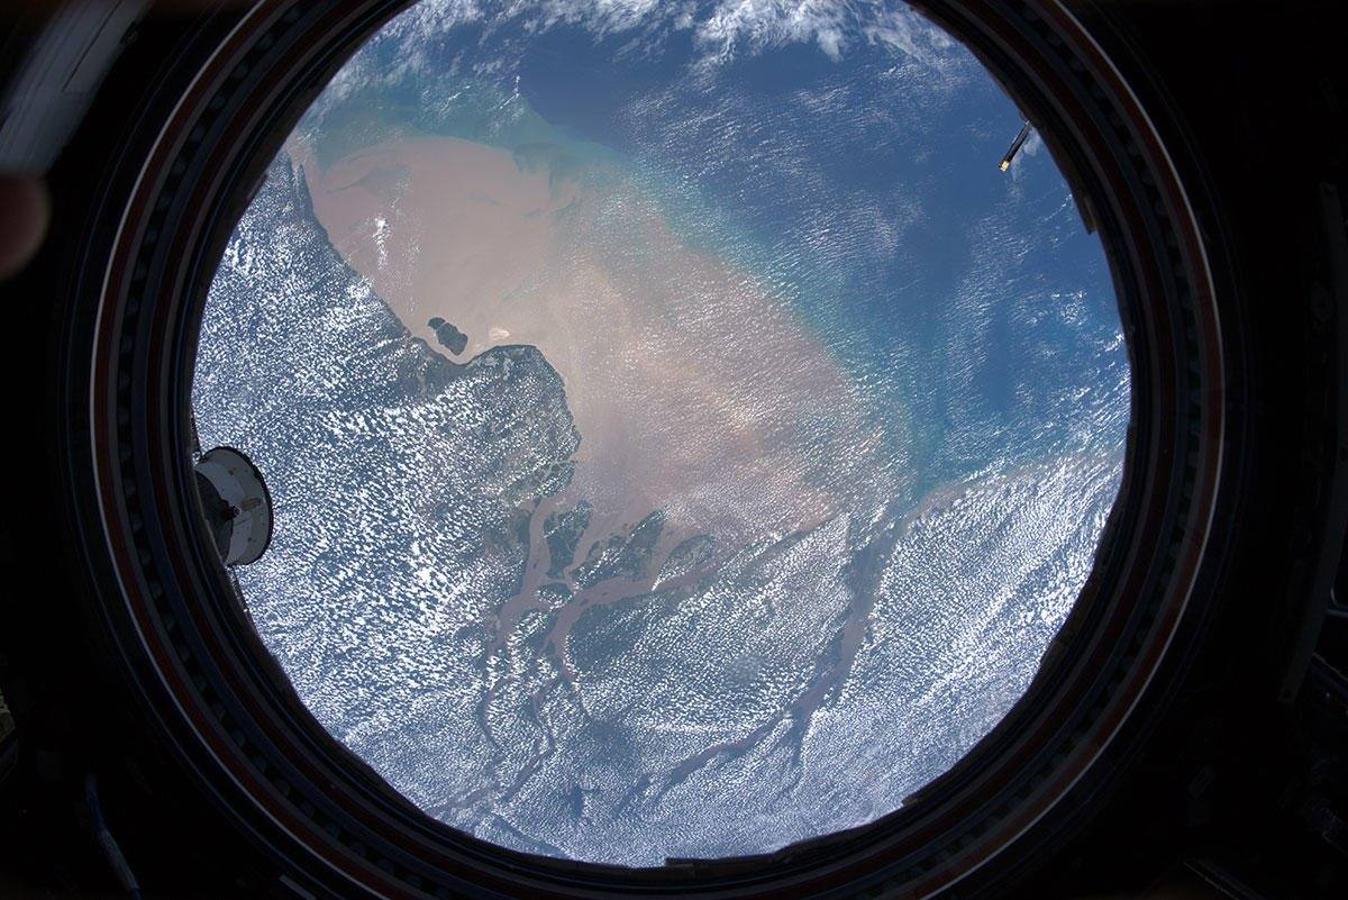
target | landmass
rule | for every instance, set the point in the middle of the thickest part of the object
(451, 338)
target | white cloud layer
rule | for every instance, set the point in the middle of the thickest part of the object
(723, 29)
(834, 25)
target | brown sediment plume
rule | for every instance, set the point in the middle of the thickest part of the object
(696, 389)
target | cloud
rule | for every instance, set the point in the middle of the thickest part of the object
(903, 29)
(723, 29)
(598, 16)
(754, 25)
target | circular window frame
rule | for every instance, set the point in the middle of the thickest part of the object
(220, 698)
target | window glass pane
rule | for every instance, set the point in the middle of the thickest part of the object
(685, 436)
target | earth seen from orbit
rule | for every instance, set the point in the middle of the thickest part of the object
(684, 439)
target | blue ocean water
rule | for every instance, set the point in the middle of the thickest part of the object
(969, 301)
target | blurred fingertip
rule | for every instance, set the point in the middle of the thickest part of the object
(25, 212)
